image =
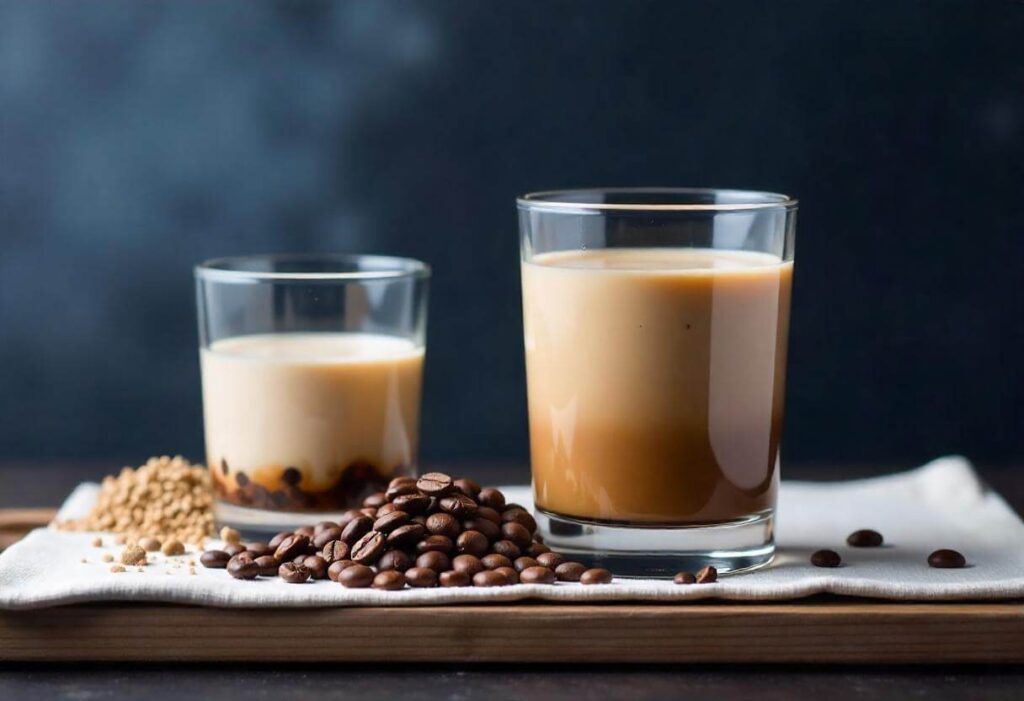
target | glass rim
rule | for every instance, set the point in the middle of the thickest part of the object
(742, 200)
(241, 268)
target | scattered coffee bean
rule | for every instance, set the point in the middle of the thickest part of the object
(267, 565)
(258, 549)
(864, 538)
(537, 575)
(335, 550)
(490, 529)
(596, 575)
(550, 560)
(435, 484)
(391, 580)
(276, 540)
(468, 487)
(368, 549)
(489, 578)
(517, 533)
(292, 546)
(335, 568)
(507, 548)
(316, 565)
(570, 571)
(375, 500)
(435, 542)
(537, 549)
(413, 503)
(826, 558)
(434, 560)
(326, 536)
(470, 564)
(214, 559)
(394, 560)
(472, 543)
(510, 574)
(293, 574)
(421, 577)
(707, 575)
(356, 529)
(521, 563)
(391, 521)
(946, 559)
(406, 536)
(243, 566)
(494, 561)
(356, 577)
(454, 578)
(521, 516)
(458, 505)
(684, 578)
(233, 549)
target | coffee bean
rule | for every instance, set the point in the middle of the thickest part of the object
(826, 558)
(421, 577)
(537, 575)
(347, 517)
(413, 503)
(401, 489)
(494, 561)
(470, 564)
(458, 505)
(267, 565)
(439, 543)
(356, 529)
(326, 536)
(394, 560)
(946, 559)
(391, 580)
(400, 480)
(473, 543)
(454, 578)
(521, 516)
(291, 546)
(507, 548)
(300, 558)
(489, 514)
(386, 509)
(214, 559)
(537, 549)
(489, 496)
(243, 566)
(335, 568)
(570, 571)
(375, 500)
(707, 575)
(276, 540)
(406, 536)
(356, 577)
(368, 549)
(443, 524)
(490, 529)
(369, 511)
(391, 521)
(258, 549)
(316, 565)
(517, 533)
(596, 575)
(323, 526)
(435, 484)
(684, 578)
(489, 578)
(510, 574)
(468, 487)
(334, 551)
(864, 538)
(437, 561)
(522, 563)
(305, 530)
(233, 549)
(420, 519)
(293, 574)
(550, 560)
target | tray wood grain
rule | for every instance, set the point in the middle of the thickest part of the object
(818, 630)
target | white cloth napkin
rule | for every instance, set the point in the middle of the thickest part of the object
(940, 505)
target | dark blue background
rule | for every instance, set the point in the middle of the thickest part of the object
(140, 137)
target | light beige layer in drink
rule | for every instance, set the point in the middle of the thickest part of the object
(309, 420)
(656, 382)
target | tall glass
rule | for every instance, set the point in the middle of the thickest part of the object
(656, 324)
(312, 367)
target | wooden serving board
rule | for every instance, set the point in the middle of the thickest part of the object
(818, 630)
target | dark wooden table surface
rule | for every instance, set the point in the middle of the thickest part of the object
(24, 485)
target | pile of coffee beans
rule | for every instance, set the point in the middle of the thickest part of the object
(426, 532)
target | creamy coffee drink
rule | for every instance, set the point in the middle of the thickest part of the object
(309, 421)
(656, 383)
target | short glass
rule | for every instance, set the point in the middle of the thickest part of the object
(312, 367)
(656, 325)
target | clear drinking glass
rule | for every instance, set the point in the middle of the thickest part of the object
(312, 368)
(656, 324)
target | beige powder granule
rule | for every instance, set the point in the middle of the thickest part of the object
(97, 542)
(116, 569)
(107, 557)
(133, 555)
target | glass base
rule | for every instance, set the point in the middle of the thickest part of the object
(661, 551)
(256, 523)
